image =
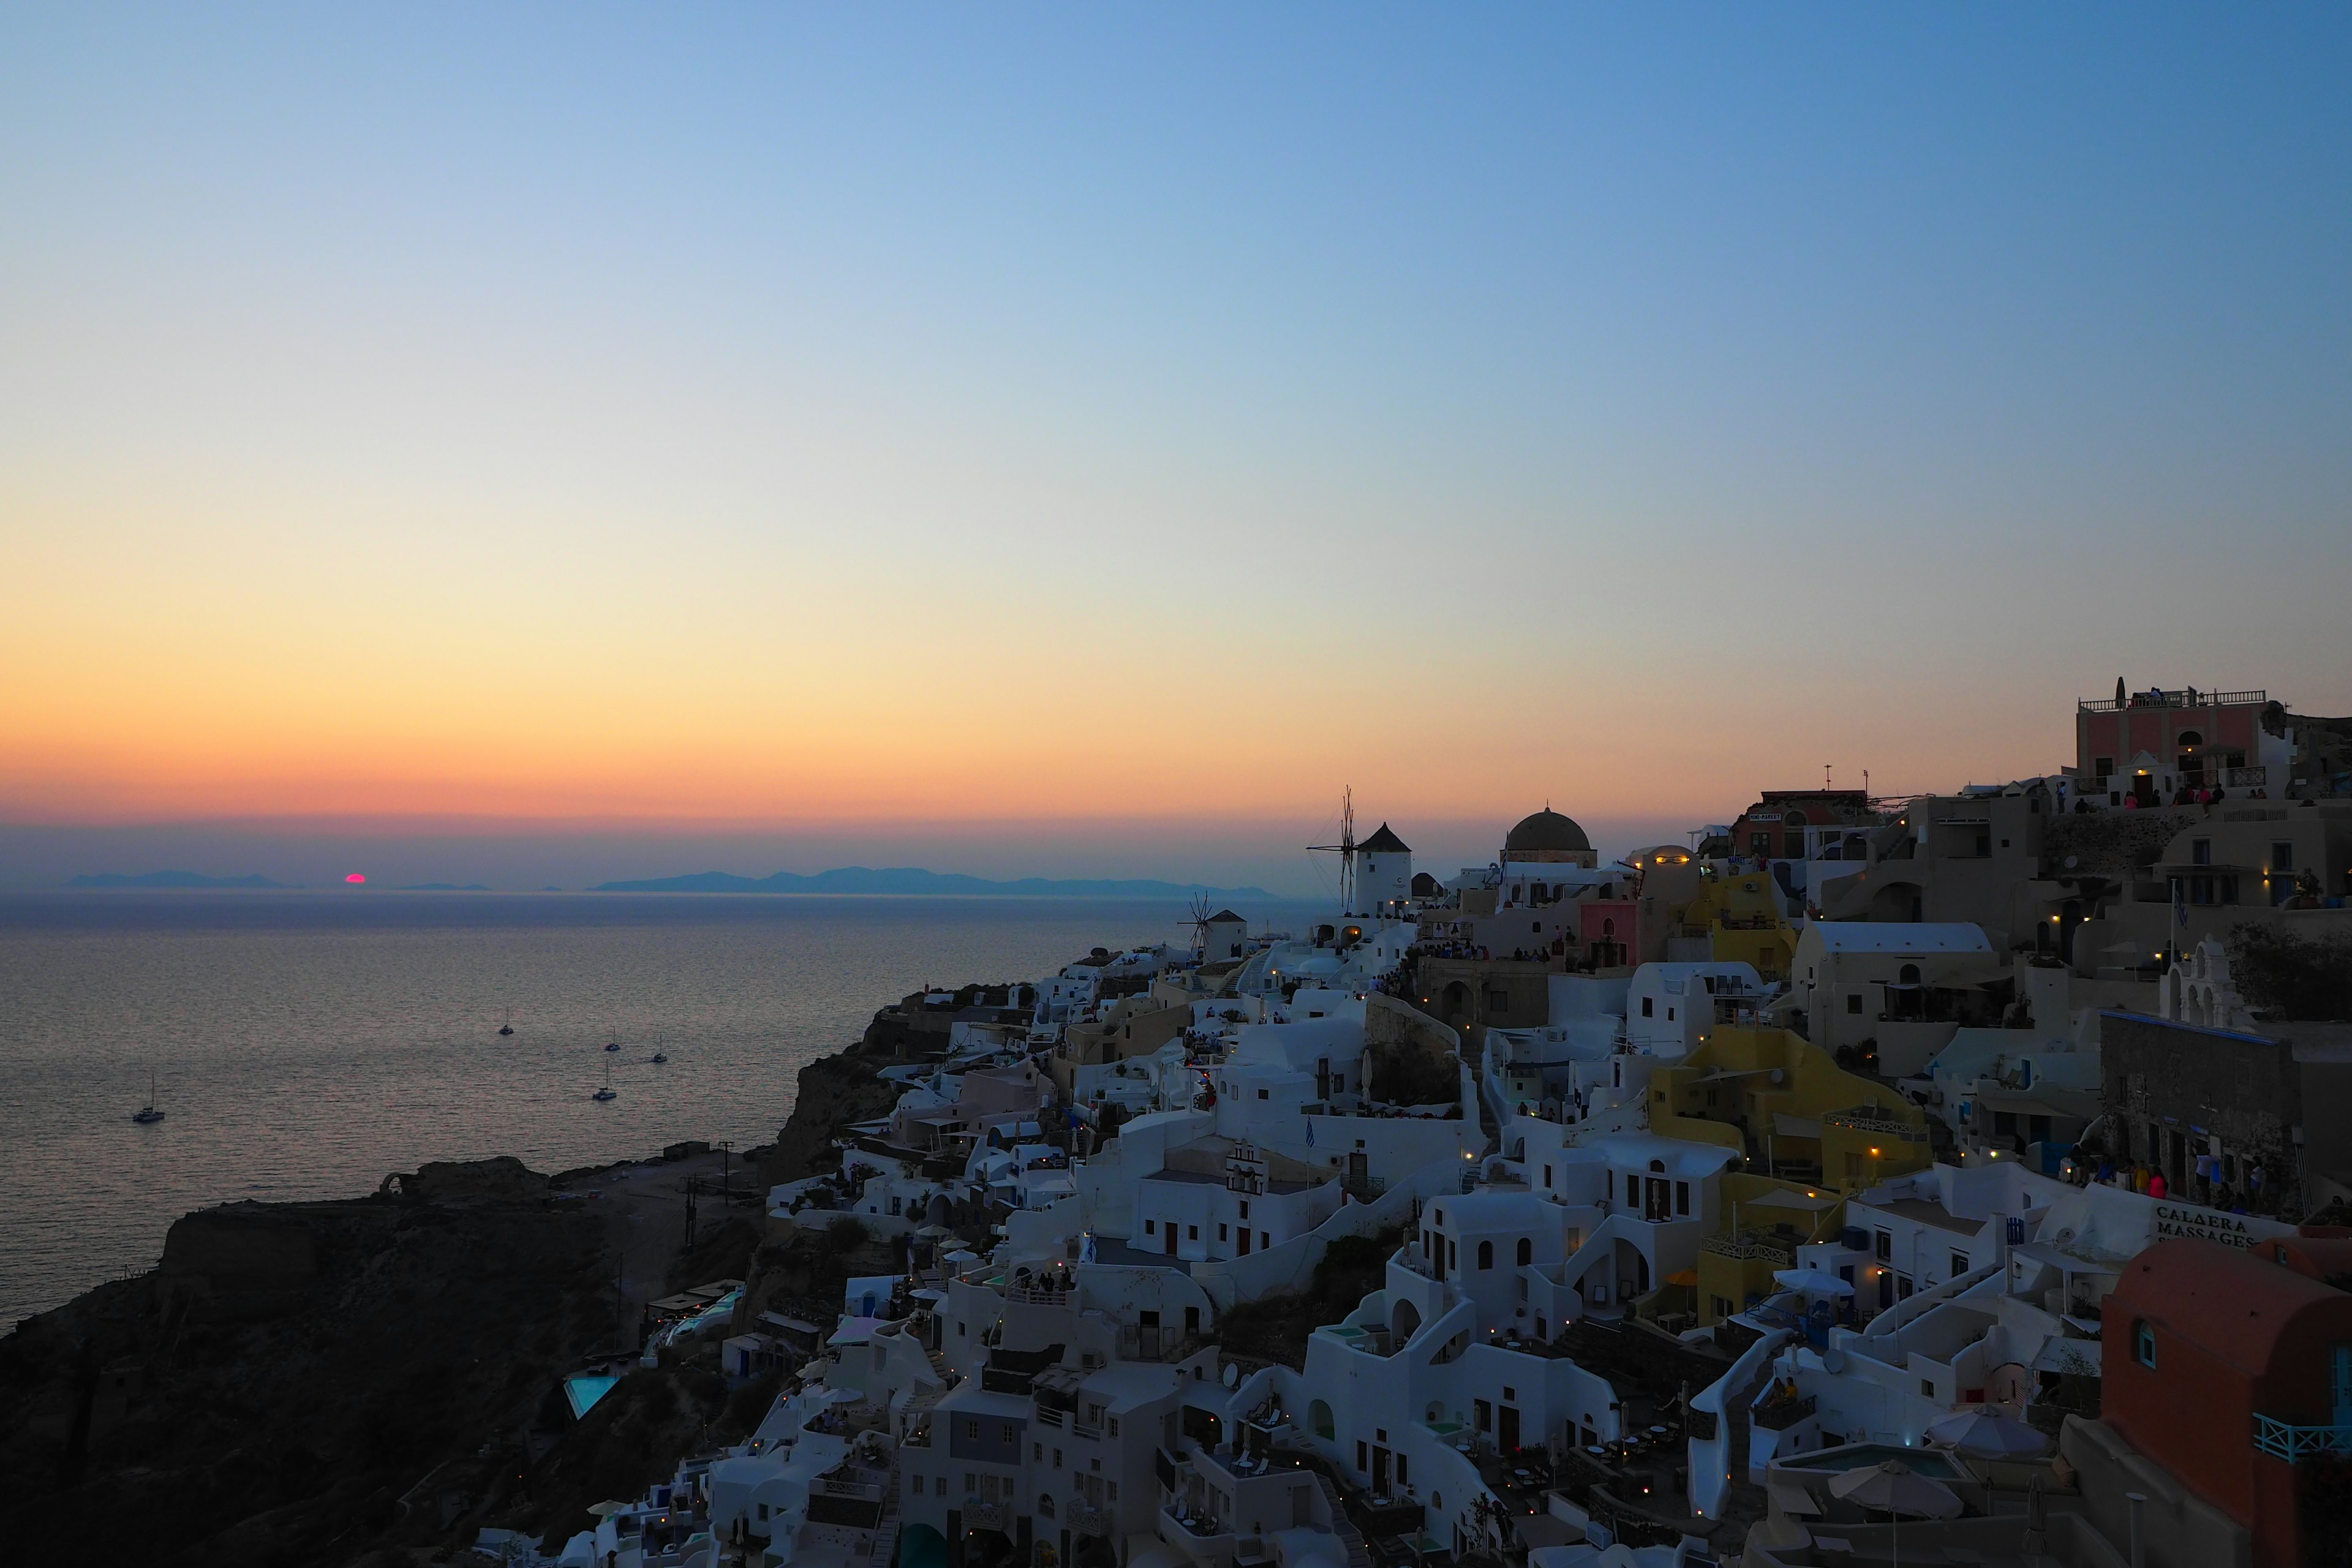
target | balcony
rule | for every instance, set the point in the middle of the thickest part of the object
(979, 1514)
(2187, 697)
(1867, 1119)
(1788, 1413)
(1192, 1521)
(1087, 1519)
(1749, 1249)
(2285, 1440)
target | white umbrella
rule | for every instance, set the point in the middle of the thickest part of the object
(1812, 1281)
(1892, 1487)
(1987, 1435)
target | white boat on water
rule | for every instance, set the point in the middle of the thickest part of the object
(148, 1115)
(608, 1091)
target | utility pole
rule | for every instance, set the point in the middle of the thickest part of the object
(727, 1167)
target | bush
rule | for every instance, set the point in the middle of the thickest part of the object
(2289, 976)
(846, 1234)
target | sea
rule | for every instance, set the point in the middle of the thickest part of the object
(305, 1045)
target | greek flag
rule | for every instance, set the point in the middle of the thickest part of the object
(1310, 1132)
(2179, 906)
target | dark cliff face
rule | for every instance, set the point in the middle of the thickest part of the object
(275, 1392)
(835, 1091)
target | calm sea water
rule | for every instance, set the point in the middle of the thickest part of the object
(304, 1044)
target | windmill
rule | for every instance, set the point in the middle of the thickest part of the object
(1345, 849)
(1200, 924)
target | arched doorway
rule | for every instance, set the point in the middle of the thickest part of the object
(1404, 1322)
(1318, 1420)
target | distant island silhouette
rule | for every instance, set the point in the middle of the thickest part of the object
(169, 879)
(905, 880)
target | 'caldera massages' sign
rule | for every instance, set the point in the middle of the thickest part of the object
(2196, 1223)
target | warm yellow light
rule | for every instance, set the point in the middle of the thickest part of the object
(1873, 1154)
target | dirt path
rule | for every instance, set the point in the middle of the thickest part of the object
(644, 1211)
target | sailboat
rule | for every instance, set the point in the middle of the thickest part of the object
(608, 1091)
(147, 1115)
(611, 1044)
(507, 1027)
(661, 1055)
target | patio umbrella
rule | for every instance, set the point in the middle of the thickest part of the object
(607, 1507)
(1812, 1281)
(1987, 1435)
(1892, 1487)
(934, 1232)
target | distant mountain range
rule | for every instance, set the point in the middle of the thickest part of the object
(906, 879)
(169, 879)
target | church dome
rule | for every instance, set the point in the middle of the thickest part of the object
(1544, 834)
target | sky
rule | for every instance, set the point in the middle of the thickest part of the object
(587, 441)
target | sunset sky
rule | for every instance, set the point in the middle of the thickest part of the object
(548, 443)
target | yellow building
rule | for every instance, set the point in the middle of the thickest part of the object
(1739, 914)
(1765, 1221)
(1792, 1110)
(1813, 1134)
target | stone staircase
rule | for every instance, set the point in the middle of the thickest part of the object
(1358, 1555)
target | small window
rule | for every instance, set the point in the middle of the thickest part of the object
(2144, 1344)
(1244, 1210)
(1959, 1264)
(1682, 1198)
(1546, 1175)
(1886, 1244)
(1192, 1233)
(1221, 1234)
(1263, 1094)
(1526, 1253)
(1150, 1227)
(1486, 1255)
(2281, 857)
(1853, 1002)
(1648, 1005)
(2201, 852)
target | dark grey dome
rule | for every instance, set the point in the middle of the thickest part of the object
(1546, 832)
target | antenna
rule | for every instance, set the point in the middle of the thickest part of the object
(1826, 775)
(1345, 849)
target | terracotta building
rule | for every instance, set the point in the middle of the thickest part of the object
(2231, 1368)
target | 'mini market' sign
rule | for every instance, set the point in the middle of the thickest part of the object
(2197, 1223)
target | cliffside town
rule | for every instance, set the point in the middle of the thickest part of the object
(1954, 1178)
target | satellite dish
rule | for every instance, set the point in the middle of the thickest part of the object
(1231, 1376)
(1833, 1362)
